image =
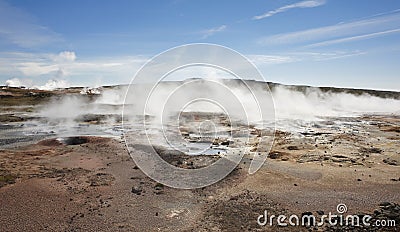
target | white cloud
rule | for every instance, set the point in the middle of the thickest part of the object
(354, 38)
(36, 68)
(270, 59)
(41, 64)
(371, 25)
(212, 31)
(290, 57)
(66, 56)
(302, 4)
(20, 28)
(65, 65)
(324, 56)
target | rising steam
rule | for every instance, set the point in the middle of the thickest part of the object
(308, 104)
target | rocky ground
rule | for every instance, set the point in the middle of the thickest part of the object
(90, 183)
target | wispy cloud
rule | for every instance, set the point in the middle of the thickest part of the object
(209, 32)
(302, 4)
(376, 26)
(325, 56)
(354, 38)
(20, 28)
(270, 59)
(291, 57)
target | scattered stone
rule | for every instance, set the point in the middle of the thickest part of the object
(278, 155)
(340, 156)
(274, 155)
(384, 204)
(371, 150)
(159, 187)
(390, 161)
(137, 190)
(101, 179)
(291, 148)
(226, 143)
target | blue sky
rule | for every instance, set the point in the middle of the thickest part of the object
(345, 43)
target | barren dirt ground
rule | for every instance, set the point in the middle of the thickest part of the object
(95, 186)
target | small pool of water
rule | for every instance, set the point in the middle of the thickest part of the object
(201, 148)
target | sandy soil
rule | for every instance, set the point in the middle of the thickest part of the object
(95, 186)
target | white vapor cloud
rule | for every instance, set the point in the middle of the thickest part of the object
(212, 31)
(28, 83)
(54, 84)
(302, 4)
(16, 82)
(375, 25)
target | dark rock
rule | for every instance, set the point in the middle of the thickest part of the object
(226, 143)
(292, 148)
(137, 190)
(159, 187)
(371, 150)
(390, 161)
(275, 155)
(384, 204)
(340, 156)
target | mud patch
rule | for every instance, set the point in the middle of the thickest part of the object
(7, 179)
(50, 143)
(74, 140)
